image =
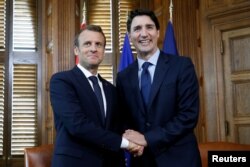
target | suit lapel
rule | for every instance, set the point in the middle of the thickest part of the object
(108, 96)
(84, 83)
(162, 67)
(87, 89)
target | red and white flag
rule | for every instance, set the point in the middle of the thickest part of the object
(82, 27)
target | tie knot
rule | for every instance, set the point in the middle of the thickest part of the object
(93, 79)
(145, 65)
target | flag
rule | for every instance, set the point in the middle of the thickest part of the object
(83, 24)
(127, 158)
(169, 44)
(126, 55)
(126, 59)
(82, 27)
(76, 59)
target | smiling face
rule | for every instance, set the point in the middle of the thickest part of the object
(144, 35)
(91, 49)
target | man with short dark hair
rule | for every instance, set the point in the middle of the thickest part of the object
(85, 110)
(159, 98)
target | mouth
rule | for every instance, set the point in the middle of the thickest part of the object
(92, 55)
(145, 42)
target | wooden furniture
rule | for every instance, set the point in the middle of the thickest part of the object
(41, 156)
(38, 156)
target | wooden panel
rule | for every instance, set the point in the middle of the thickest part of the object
(236, 85)
(163, 20)
(61, 21)
(48, 115)
(243, 132)
(66, 33)
(221, 6)
(215, 3)
(242, 97)
(50, 53)
(238, 1)
(214, 22)
(240, 53)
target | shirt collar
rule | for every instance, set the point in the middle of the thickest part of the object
(153, 59)
(86, 72)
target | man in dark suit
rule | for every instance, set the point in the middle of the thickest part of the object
(160, 97)
(85, 110)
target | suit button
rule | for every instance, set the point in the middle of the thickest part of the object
(148, 124)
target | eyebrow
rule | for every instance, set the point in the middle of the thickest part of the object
(150, 25)
(147, 25)
(96, 42)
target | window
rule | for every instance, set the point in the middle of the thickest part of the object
(24, 108)
(2, 24)
(2, 54)
(124, 7)
(19, 74)
(99, 12)
(1, 106)
(111, 16)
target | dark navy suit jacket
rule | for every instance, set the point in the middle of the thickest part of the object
(172, 112)
(81, 137)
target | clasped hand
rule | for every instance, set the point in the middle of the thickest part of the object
(137, 142)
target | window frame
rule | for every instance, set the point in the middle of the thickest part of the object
(9, 58)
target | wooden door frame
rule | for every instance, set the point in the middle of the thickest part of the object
(233, 79)
(213, 69)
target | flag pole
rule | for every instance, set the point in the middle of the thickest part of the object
(171, 11)
(169, 43)
(83, 23)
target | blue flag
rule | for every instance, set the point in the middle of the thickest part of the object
(126, 55)
(126, 59)
(169, 44)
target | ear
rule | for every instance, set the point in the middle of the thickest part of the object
(76, 50)
(129, 36)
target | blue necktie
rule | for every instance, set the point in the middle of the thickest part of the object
(98, 94)
(145, 83)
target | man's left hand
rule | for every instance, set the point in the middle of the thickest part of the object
(135, 137)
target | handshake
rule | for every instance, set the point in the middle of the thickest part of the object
(137, 142)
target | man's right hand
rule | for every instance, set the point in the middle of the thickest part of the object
(135, 149)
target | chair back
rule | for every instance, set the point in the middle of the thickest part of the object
(39, 156)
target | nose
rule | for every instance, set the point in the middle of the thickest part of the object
(93, 47)
(144, 32)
